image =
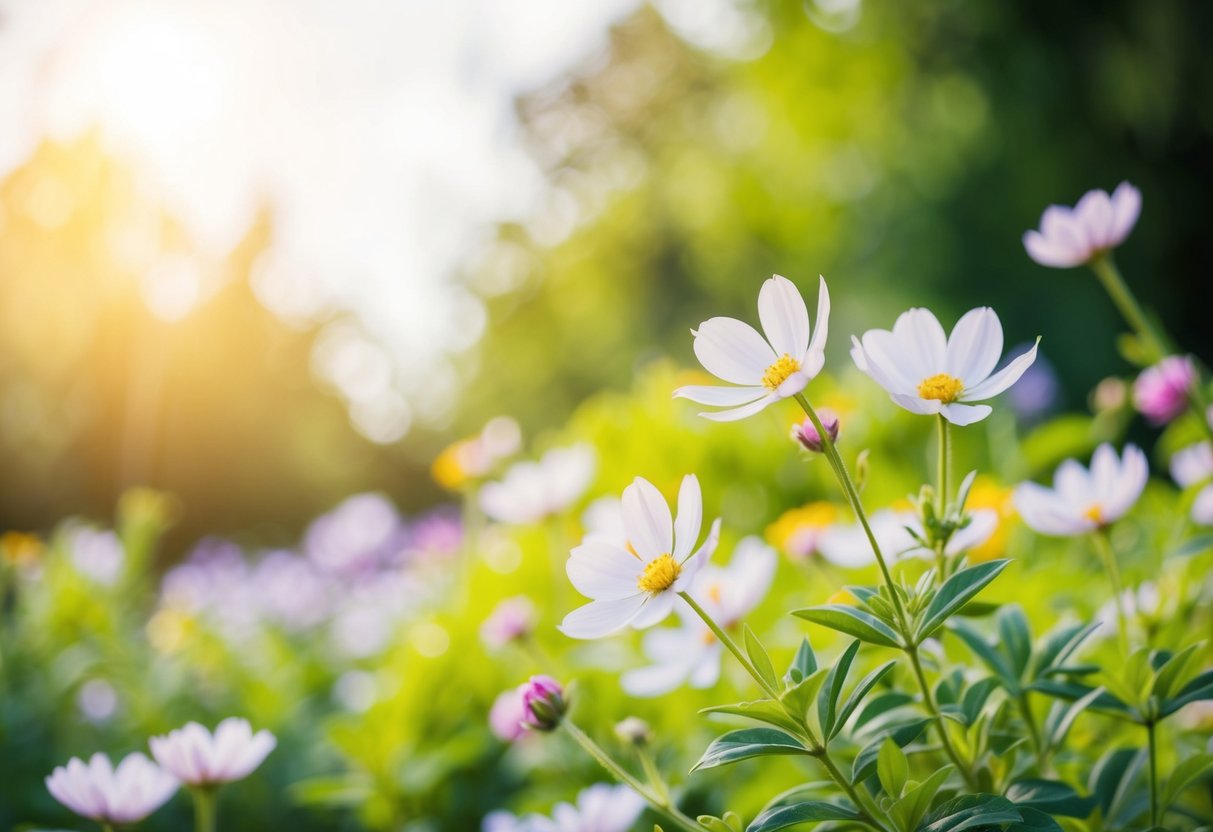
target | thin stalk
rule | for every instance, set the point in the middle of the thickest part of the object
(1104, 546)
(653, 774)
(1105, 269)
(929, 699)
(105, 827)
(663, 807)
(731, 645)
(1038, 743)
(941, 497)
(867, 807)
(1153, 744)
(852, 495)
(204, 809)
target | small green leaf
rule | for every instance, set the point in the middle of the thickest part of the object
(762, 710)
(1185, 774)
(759, 658)
(827, 697)
(781, 817)
(892, 768)
(1034, 820)
(1104, 702)
(1015, 637)
(904, 734)
(1198, 689)
(971, 811)
(1050, 796)
(1061, 720)
(917, 800)
(881, 705)
(998, 664)
(956, 592)
(799, 699)
(852, 621)
(1112, 779)
(975, 699)
(713, 823)
(1175, 673)
(747, 743)
(857, 695)
(803, 665)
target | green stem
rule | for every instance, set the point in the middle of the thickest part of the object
(731, 645)
(869, 811)
(105, 827)
(941, 498)
(929, 700)
(1105, 269)
(1153, 744)
(1038, 743)
(663, 807)
(204, 809)
(852, 495)
(1104, 546)
(654, 775)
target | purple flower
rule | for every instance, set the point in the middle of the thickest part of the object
(806, 432)
(199, 758)
(356, 537)
(543, 701)
(1161, 392)
(1074, 236)
(100, 792)
(506, 715)
(511, 620)
(99, 555)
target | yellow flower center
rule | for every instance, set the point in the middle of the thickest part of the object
(941, 387)
(778, 372)
(1094, 513)
(659, 574)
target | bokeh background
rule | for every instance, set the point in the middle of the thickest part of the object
(262, 256)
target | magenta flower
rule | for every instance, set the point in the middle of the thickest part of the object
(1161, 392)
(100, 792)
(199, 758)
(507, 714)
(806, 432)
(511, 620)
(1074, 236)
(543, 700)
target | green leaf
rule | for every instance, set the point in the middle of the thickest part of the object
(1185, 774)
(998, 664)
(1050, 796)
(747, 743)
(892, 768)
(798, 699)
(881, 705)
(975, 699)
(917, 800)
(1015, 637)
(956, 592)
(1113, 777)
(857, 695)
(781, 817)
(1058, 647)
(762, 710)
(904, 734)
(1176, 673)
(803, 665)
(1103, 702)
(1198, 689)
(713, 823)
(338, 790)
(759, 658)
(971, 811)
(1034, 820)
(852, 621)
(1193, 546)
(1061, 720)
(827, 697)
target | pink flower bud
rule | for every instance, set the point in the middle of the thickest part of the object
(506, 715)
(1161, 392)
(543, 701)
(513, 619)
(806, 432)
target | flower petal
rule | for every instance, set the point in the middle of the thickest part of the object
(740, 412)
(1001, 380)
(646, 518)
(965, 414)
(720, 396)
(974, 346)
(1094, 216)
(784, 316)
(1126, 206)
(601, 618)
(690, 517)
(602, 571)
(1048, 251)
(920, 336)
(914, 404)
(1041, 509)
(655, 610)
(888, 363)
(733, 351)
(821, 330)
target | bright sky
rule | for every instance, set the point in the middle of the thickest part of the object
(381, 132)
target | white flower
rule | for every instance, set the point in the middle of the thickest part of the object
(898, 534)
(768, 369)
(690, 652)
(1073, 236)
(1080, 500)
(636, 583)
(198, 758)
(1193, 465)
(600, 808)
(531, 491)
(927, 372)
(100, 792)
(1144, 600)
(98, 555)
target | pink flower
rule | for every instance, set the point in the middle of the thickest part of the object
(100, 792)
(1161, 392)
(806, 432)
(199, 758)
(1074, 236)
(506, 715)
(543, 699)
(511, 620)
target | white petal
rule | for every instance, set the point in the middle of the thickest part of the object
(982, 525)
(1045, 513)
(1128, 483)
(1126, 205)
(889, 363)
(921, 338)
(785, 318)
(1073, 485)
(733, 351)
(655, 610)
(646, 518)
(1094, 215)
(1003, 379)
(720, 396)
(1053, 253)
(742, 412)
(603, 571)
(690, 517)
(601, 618)
(1192, 464)
(965, 414)
(858, 356)
(821, 331)
(655, 679)
(1202, 507)
(252, 755)
(974, 346)
(927, 407)
(692, 565)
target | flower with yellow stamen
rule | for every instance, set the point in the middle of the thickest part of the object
(798, 532)
(1084, 500)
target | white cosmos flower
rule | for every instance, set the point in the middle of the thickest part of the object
(927, 372)
(199, 758)
(898, 534)
(1083, 500)
(99, 791)
(636, 583)
(600, 808)
(1073, 236)
(531, 491)
(691, 653)
(768, 369)
(1193, 465)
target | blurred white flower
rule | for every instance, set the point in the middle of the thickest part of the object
(511, 620)
(637, 585)
(100, 792)
(600, 808)
(356, 537)
(899, 534)
(98, 555)
(603, 518)
(1084, 500)
(1191, 466)
(97, 701)
(767, 368)
(531, 491)
(1143, 600)
(1074, 236)
(691, 653)
(925, 371)
(197, 757)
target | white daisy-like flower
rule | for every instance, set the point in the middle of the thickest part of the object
(1083, 500)
(1073, 236)
(1193, 465)
(927, 372)
(690, 652)
(531, 491)
(112, 795)
(599, 808)
(767, 368)
(197, 757)
(898, 534)
(636, 583)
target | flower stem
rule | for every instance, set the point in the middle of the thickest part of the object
(1153, 745)
(1104, 546)
(731, 645)
(204, 809)
(852, 495)
(663, 807)
(932, 708)
(1038, 743)
(941, 498)
(1105, 269)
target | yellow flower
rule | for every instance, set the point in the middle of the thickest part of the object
(842, 597)
(448, 469)
(798, 531)
(20, 549)
(988, 494)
